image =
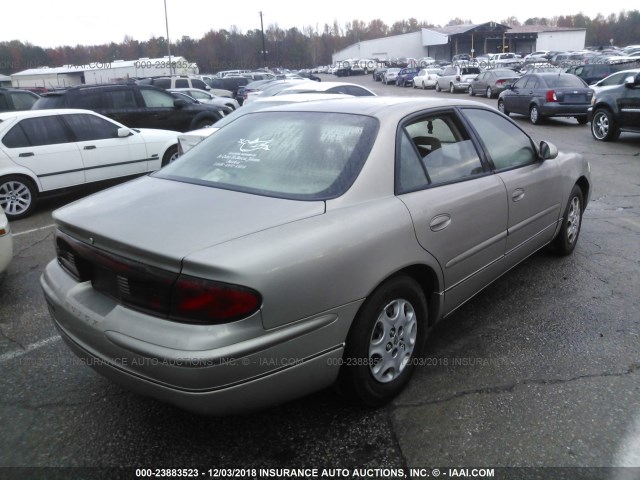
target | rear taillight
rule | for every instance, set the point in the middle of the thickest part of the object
(499, 83)
(551, 96)
(206, 301)
(154, 290)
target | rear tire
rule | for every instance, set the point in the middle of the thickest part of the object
(471, 92)
(438, 87)
(385, 338)
(18, 196)
(170, 155)
(534, 115)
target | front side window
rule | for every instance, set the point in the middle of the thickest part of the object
(182, 83)
(295, 155)
(156, 99)
(506, 144)
(87, 127)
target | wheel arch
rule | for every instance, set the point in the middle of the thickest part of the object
(22, 172)
(584, 185)
(430, 284)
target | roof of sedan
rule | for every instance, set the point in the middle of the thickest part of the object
(373, 105)
(42, 113)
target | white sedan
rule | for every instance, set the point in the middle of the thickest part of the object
(48, 151)
(6, 242)
(426, 78)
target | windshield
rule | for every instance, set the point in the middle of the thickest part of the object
(295, 155)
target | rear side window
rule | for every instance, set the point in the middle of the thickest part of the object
(122, 99)
(295, 155)
(182, 83)
(36, 132)
(91, 100)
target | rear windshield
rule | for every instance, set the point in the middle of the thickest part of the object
(556, 81)
(49, 101)
(294, 155)
(470, 71)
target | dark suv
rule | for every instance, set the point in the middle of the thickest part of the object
(16, 99)
(135, 106)
(616, 109)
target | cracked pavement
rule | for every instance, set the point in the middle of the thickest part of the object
(540, 369)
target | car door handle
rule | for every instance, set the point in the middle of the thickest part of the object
(517, 195)
(26, 154)
(440, 222)
(90, 147)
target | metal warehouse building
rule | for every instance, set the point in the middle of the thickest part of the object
(96, 73)
(442, 43)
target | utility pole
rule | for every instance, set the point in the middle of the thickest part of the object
(264, 51)
(166, 21)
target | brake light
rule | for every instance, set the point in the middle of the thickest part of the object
(210, 302)
(551, 96)
(499, 83)
(154, 290)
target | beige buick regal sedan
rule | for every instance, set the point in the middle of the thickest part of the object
(303, 246)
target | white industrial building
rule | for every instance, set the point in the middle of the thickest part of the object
(97, 73)
(442, 43)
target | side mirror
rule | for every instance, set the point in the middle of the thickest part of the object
(124, 132)
(632, 81)
(548, 150)
(179, 103)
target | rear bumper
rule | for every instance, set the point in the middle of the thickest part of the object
(213, 370)
(564, 110)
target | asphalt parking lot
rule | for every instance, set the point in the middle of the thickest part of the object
(542, 369)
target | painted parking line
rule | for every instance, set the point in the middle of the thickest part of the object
(33, 230)
(28, 349)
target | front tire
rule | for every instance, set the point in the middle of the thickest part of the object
(567, 238)
(603, 126)
(471, 92)
(18, 196)
(386, 337)
(502, 107)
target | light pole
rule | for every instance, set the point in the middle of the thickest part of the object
(264, 51)
(166, 21)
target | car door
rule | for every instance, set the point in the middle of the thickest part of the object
(534, 187)
(44, 146)
(104, 154)
(629, 103)
(459, 210)
(160, 112)
(515, 101)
